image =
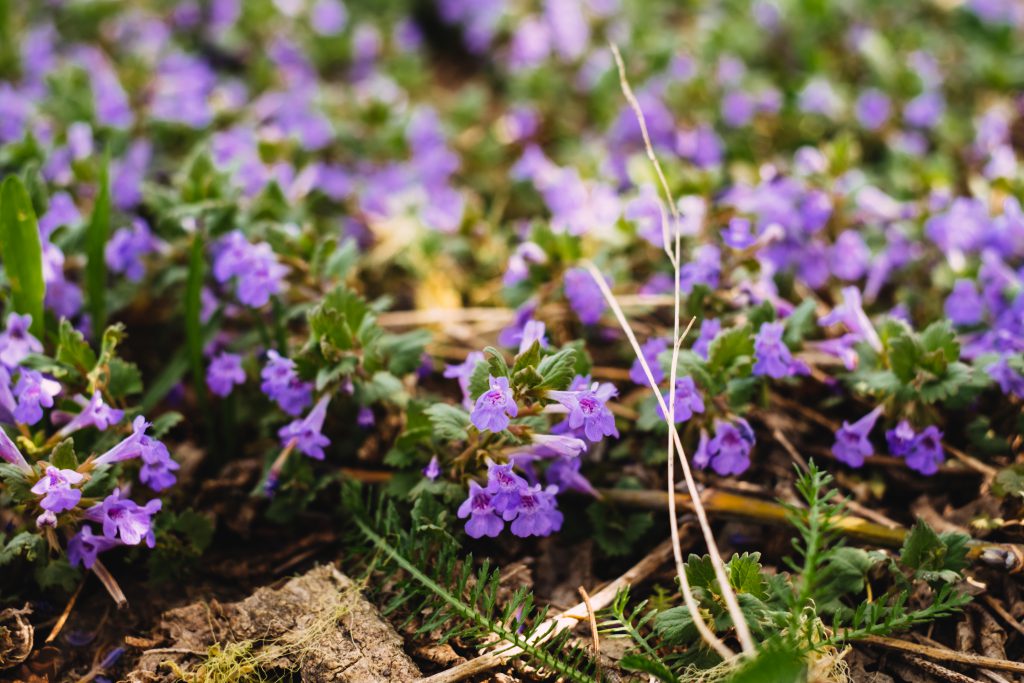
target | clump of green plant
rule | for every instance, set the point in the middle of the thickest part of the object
(834, 594)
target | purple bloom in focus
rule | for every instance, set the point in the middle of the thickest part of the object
(126, 248)
(564, 473)
(495, 406)
(773, 358)
(584, 296)
(926, 454)
(873, 108)
(560, 444)
(84, 547)
(504, 486)
(57, 488)
(124, 519)
(964, 306)
(729, 450)
(483, 519)
(433, 469)
(158, 467)
(688, 400)
(34, 392)
(587, 409)
(462, 372)
(128, 448)
(16, 341)
(852, 445)
(224, 372)
(95, 413)
(538, 514)
(650, 350)
(900, 439)
(282, 384)
(307, 432)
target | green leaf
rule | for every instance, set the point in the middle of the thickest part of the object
(496, 362)
(774, 664)
(800, 322)
(404, 351)
(340, 321)
(22, 252)
(636, 662)
(616, 533)
(479, 381)
(745, 575)
(904, 353)
(1009, 482)
(26, 544)
(932, 556)
(57, 573)
(73, 349)
(96, 236)
(730, 348)
(125, 378)
(449, 422)
(558, 369)
(63, 456)
(939, 336)
(193, 314)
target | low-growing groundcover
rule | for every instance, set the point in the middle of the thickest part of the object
(483, 301)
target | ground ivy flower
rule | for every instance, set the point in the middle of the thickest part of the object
(584, 296)
(533, 331)
(1009, 380)
(851, 314)
(16, 341)
(537, 513)
(306, 433)
(729, 450)
(926, 453)
(709, 329)
(433, 469)
(900, 439)
(57, 487)
(650, 351)
(689, 400)
(852, 445)
(254, 266)
(483, 519)
(505, 487)
(128, 448)
(126, 248)
(587, 410)
(95, 413)
(495, 406)
(282, 384)
(158, 466)
(224, 372)
(964, 306)
(738, 235)
(463, 372)
(124, 519)
(34, 392)
(10, 454)
(85, 546)
(772, 356)
(564, 473)
(560, 444)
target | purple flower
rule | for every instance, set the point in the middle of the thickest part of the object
(873, 109)
(513, 334)
(926, 454)
(433, 469)
(462, 372)
(564, 473)
(900, 439)
(924, 110)
(584, 296)
(158, 467)
(34, 392)
(852, 445)
(964, 306)
(328, 17)
(704, 269)
(650, 350)
(560, 444)
(729, 450)
(587, 409)
(850, 256)
(94, 413)
(306, 433)
(282, 384)
(10, 454)
(495, 406)
(125, 251)
(841, 348)
(130, 447)
(738, 234)
(773, 358)
(504, 487)
(533, 331)
(851, 314)
(61, 211)
(709, 329)
(1009, 380)
(537, 514)
(16, 341)
(57, 489)
(124, 519)
(483, 519)
(224, 372)
(254, 266)
(365, 418)
(688, 400)
(84, 547)
(701, 458)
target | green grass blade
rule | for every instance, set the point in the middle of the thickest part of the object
(193, 311)
(22, 252)
(97, 234)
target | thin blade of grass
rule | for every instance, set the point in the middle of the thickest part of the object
(193, 311)
(97, 234)
(22, 252)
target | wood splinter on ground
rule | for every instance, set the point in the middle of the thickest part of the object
(317, 625)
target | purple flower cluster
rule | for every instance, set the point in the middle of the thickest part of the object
(508, 497)
(922, 451)
(224, 373)
(772, 356)
(728, 452)
(282, 384)
(127, 247)
(254, 267)
(688, 400)
(587, 410)
(584, 296)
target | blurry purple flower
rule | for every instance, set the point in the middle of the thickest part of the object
(61, 212)
(84, 547)
(57, 488)
(584, 296)
(33, 392)
(688, 401)
(564, 473)
(307, 432)
(483, 520)
(841, 348)
(650, 350)
(258, 273)
(127, 174)
(819, 97)
(365, 418)
(850, 256)
(519, 262)
(924, 110)
(80, 142)
(738, 234)
(181, 91)
(570, 33)
(560, 444)
(224, 372)
(704, 269)
(852, 445)
(729, 450)
(701, 145)
(873, 109)
(530, 45)
(772, 356)
(851, 314)
(328, 17)
(701, 457)
(495, 406)
(900, 439)
(1009, 380)
(738, 108)
(124, 519)
(10, 454)
(16, 341)
(433, 469)
(158, 466)
(964, 306)
(533, 331)
(462, 372)
(126, 248)
(709, 329)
